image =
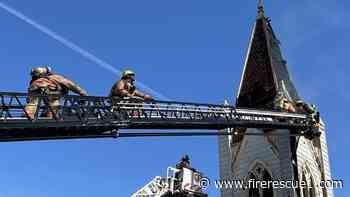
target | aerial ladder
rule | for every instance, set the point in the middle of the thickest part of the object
(80, 117)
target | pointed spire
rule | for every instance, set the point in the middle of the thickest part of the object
(260, 8)
(265, 73)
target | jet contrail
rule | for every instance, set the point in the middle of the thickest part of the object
(76, 48)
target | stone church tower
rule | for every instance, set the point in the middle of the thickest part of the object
(265, 76)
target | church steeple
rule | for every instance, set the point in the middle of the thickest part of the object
(265, 73)
(260, 9)
(280, 157)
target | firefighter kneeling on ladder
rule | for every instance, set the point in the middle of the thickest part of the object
(124, 89)
(312, 111)
(282, 103)
(45, 83)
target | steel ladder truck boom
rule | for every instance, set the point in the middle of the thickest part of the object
(105, 117)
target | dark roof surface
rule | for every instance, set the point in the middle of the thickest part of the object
(265, 72)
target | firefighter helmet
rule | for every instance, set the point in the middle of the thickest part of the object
(299, 103)
(185, 158)
(127, 73)
(41, 71)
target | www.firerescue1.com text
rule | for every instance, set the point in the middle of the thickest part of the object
(276, 184)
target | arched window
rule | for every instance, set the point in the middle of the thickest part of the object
(324, 192)
(253, 192)
(312, 188)
(267, 192)
(304, 189)
(259, 173)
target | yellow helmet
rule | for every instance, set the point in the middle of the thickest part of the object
(41, 71)
(127, 73)
(299, 103)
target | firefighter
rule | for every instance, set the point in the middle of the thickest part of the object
(308, 108)
(282, 103)
(311, 110)
(184, 162)
(44, 82)
(125, 87)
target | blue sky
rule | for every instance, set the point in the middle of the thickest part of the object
(188, 50)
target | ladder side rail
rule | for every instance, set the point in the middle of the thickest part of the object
(221, 109)
(195, 106)
(232, 115)
(210, 113)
